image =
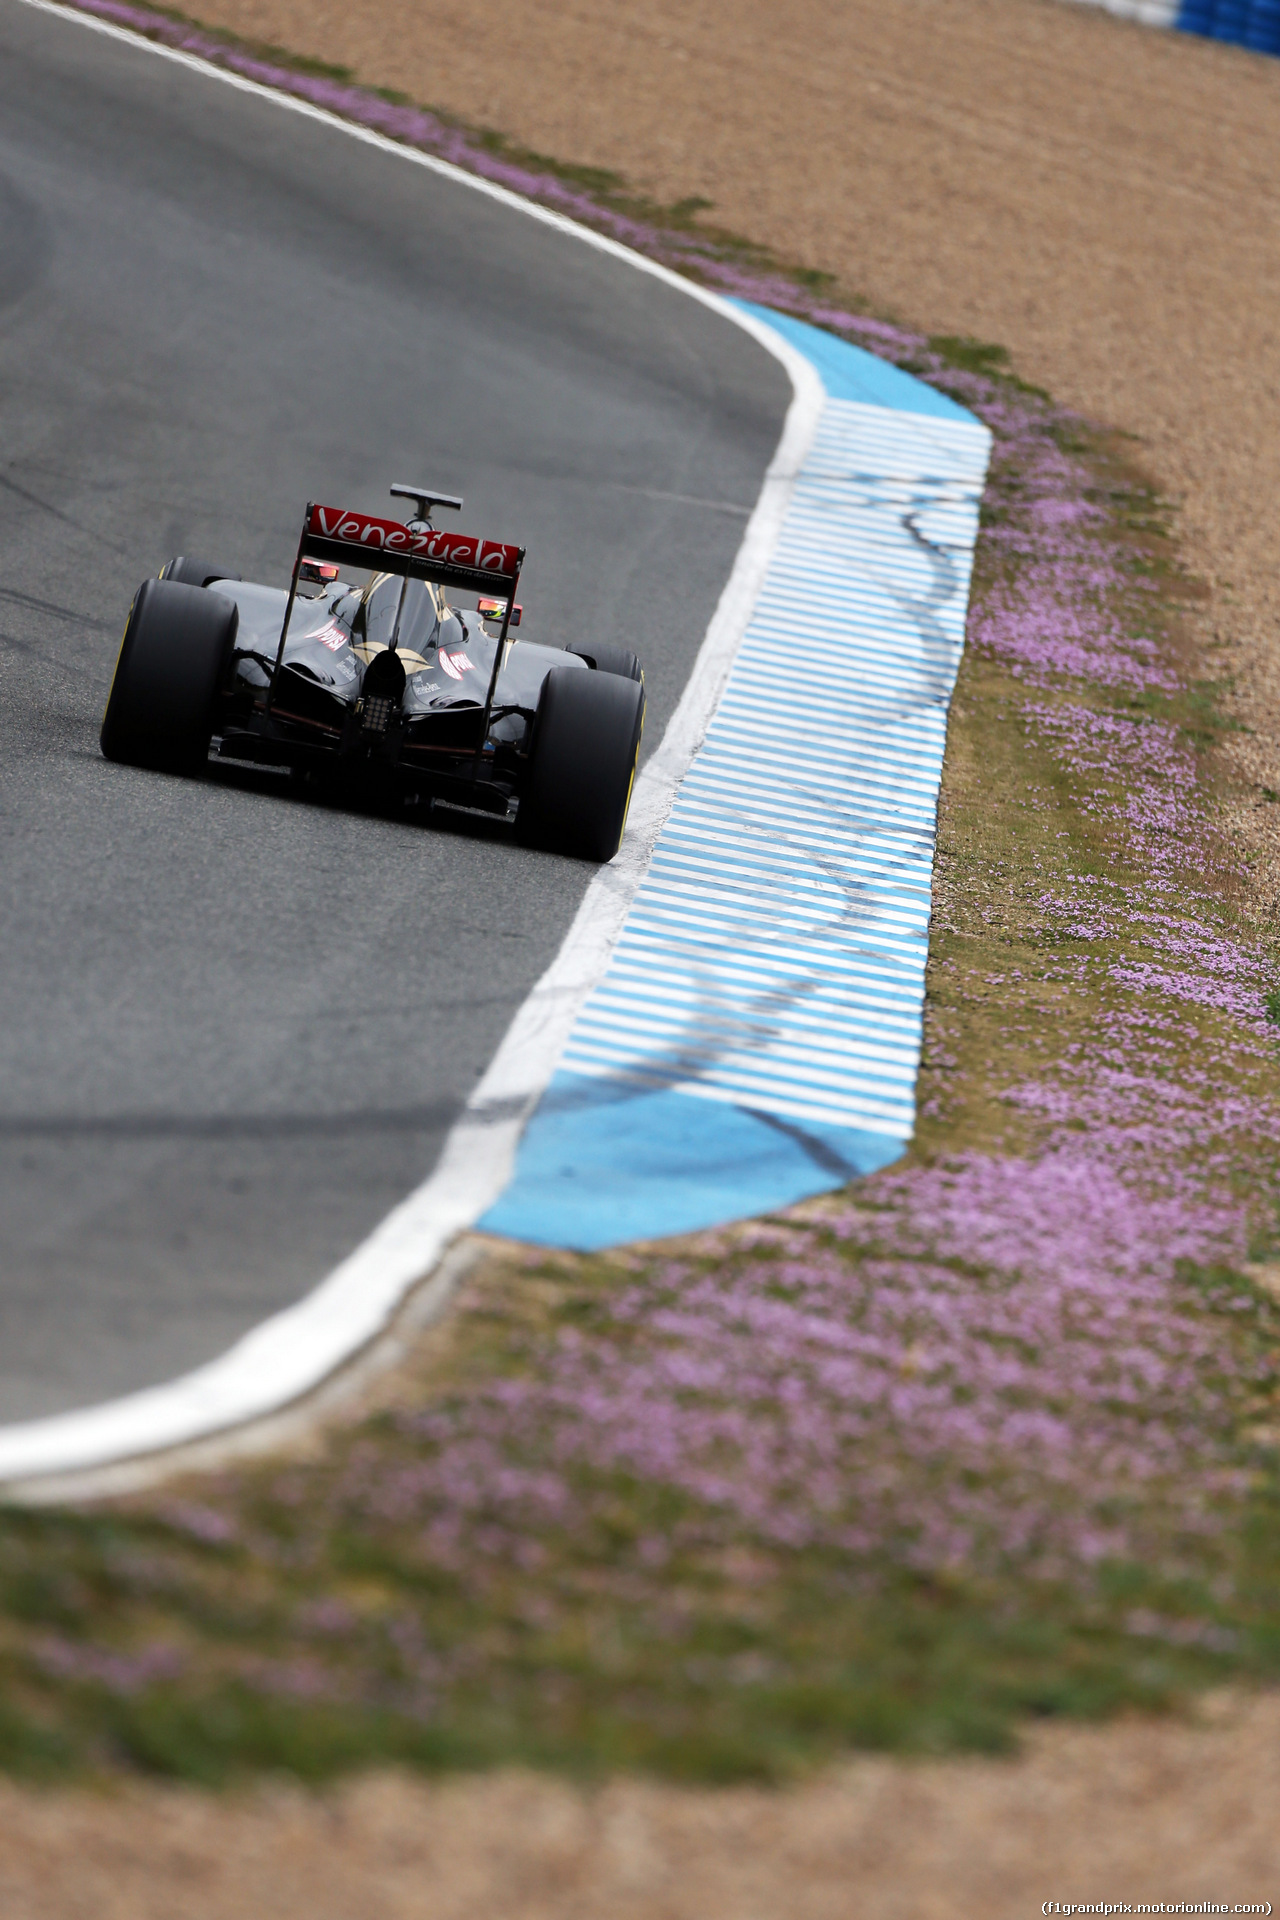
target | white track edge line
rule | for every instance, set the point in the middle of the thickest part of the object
(295, 1350)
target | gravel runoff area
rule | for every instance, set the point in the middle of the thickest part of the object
(1135, 1812)
(1101, 200)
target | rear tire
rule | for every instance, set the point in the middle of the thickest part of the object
(194, 573)
(604, 659)
(172, 665)
(586, 738)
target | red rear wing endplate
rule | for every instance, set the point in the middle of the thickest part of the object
(450, 559)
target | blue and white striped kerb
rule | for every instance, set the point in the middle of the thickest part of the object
(756, 1035)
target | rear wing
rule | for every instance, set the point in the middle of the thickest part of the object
(418, 552)
(449, 559)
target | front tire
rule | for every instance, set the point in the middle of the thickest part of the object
(586, 740)
(172, 665)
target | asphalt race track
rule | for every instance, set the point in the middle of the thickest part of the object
(234, 1026)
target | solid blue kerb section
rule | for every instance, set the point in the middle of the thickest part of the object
(848, 373)
(755, 1037)
(602, 1163)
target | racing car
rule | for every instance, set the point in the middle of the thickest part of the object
(392, 686)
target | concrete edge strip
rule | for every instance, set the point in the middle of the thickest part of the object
(1148, 13)
(294, 1351)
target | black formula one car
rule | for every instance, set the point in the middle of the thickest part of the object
(387, 687)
